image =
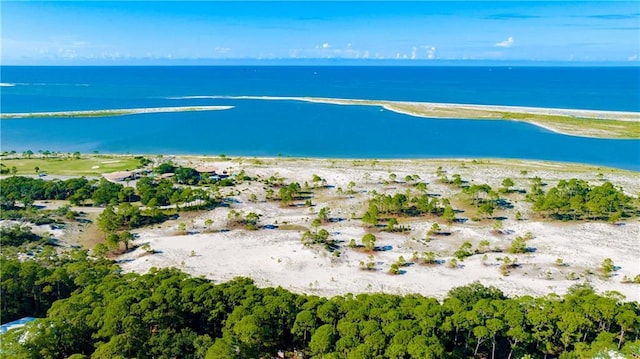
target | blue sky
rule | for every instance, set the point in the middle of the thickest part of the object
(123, 32)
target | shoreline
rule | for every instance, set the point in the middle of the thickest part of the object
(111, 112)
(572, 122)
(488, 161)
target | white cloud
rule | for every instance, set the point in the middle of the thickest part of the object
(413, 53)
(431, 53)
(506, 43)
(326, 45)
(67, 53)
(633, 58)
(221, 50)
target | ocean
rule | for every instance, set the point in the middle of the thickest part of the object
(291, 128)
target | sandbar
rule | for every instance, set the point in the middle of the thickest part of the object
(111, 112)
(575, 122)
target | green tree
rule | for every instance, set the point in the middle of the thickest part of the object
(607, 267)
(324, 214)
(304, 325)
(507, 183)
(369, 241)
(251, 220)
(394, 269)
(449, 214)
(126, 238)
(322, 340)
(434, 230)
(315, 223)
(109, 221)
(518, 245)
(370, 217)
(391, 223)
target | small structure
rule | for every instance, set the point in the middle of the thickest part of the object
(165, 176)
(210, 172)
(206, 170)
(122, 176)
(15, 324)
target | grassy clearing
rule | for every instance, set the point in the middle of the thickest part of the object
(69, 166)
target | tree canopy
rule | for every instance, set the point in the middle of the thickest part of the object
(92, 309)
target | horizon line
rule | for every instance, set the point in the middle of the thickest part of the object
(318, 62)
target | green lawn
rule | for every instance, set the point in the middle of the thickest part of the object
(62, 165)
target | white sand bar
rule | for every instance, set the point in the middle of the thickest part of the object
(433, 106)
(112, 112)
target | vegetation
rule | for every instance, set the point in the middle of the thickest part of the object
(289, 193)
(73, 164)
(88, 307)
(401, 204)
(576, 199)
(519, 245)
(239, 218)
(16, 235)
(167, 313)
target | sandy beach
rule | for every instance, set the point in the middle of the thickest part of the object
(276, 257)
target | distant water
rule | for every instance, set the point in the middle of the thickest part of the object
(268, 128)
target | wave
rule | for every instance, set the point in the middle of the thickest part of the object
(6, 84)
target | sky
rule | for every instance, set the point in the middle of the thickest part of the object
(146, 32)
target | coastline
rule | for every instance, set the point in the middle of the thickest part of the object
(574, 122)
(111, 112)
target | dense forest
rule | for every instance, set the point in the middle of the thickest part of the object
(89, 308)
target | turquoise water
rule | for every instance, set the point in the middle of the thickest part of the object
(269, 128)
